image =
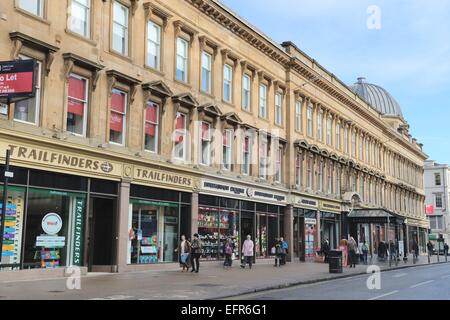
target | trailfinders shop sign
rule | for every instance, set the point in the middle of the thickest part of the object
(61, 160)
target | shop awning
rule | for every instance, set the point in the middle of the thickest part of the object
(375, 216)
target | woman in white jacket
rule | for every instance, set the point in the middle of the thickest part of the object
(247, 252)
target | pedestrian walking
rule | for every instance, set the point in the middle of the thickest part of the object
(284, 250)
(228, 253)
(365, 252)
(352, 247)
(415, 248)
(196, 252)
(445, 248)
(184, 248)
(430, 248)
(247, 252)
(278, 252)
(325, 250)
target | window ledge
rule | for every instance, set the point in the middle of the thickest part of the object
(185, 84)
(33, 16)
(80, 37)
(121, 56)
(227, 103)
(158, 72)
(209, 95)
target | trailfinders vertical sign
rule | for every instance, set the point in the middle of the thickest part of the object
(17, 79)
(78, 232)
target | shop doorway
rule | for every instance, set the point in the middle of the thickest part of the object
(299, 237)
(102, 235)
(266, 234)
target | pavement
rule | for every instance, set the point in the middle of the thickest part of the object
(212, 282)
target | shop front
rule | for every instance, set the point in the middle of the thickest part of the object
(330, 223)
(159, 212)
(231, 211)
(60, 210)
(305, 227)
(377, 227)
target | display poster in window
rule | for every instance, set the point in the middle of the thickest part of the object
(17, 80)
(12, 233)
(310, 231)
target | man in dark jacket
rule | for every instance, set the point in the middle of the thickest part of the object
(325, 250)
(196, 251)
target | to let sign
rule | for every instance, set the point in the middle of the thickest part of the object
(17, 79)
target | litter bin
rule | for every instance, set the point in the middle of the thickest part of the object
(335, 261)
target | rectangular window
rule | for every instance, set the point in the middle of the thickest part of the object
(309, 121)
(278, 109)
(437, 179)
(77, 105)
(338, 181)
(246, 91)
(438, 198)
(330, 179)
(180, 136)
(28, 110)
(319, 127)
(246, 155)
(153, 45)
(227, 148)
(206, 72)
(367, 150)
(263, 149)
(263, 101)
(227, 82)
(205, 143)
(151, 127)
(346, 140)
(354, 144)
(80, 17)
(309, 167)
(278, 165)
(182, 60)
(298, 169)
(298, 116)
(117, 122)
(120, 29)
(338, 136)
(35, 7)
(361, 148)
(320, 177)
(329, 124)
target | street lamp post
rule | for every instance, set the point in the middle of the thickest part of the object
(7, 175)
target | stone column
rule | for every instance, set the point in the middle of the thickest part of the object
(194, 213)
(122, 226)
(289, 231)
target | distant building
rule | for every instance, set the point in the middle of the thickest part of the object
(437, 195)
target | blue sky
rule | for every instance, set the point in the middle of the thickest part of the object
(409, 55)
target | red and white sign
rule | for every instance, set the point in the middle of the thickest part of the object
(17, 78)
(429, 209)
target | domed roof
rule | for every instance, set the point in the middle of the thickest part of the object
(377, 97)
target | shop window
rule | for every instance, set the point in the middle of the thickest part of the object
(58, 243)
(153, 232)
(80, 17)
(52, 180)
(215, 226)
(28, 110)
(227, 148)
(180, 136)
(151, 127)
(103, 186)
(266, 234)
(137, 191)
(117, 122)
(77, 105)
(20, 175)
(205, 143)
(120, 28)
(13, 229)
